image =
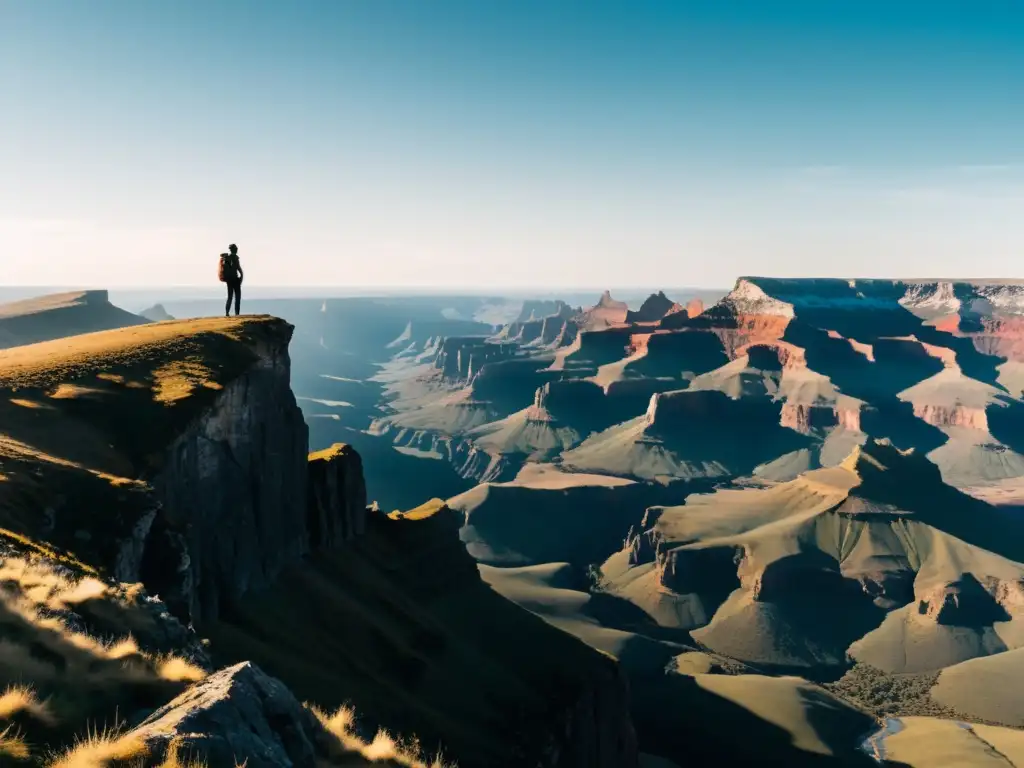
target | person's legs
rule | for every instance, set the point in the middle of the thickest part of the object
(238, 296)
(227, 305)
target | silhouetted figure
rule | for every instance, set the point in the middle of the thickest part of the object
(230, 272)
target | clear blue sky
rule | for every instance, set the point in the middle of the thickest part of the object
(490, 143)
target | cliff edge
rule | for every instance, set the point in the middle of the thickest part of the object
(157, 478)
(171, 454)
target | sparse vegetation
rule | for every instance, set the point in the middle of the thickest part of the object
(887, 695)
(113, 750)
(13, 748)
(59, 678)
(92, 418)
(384, 749)
(422, 512)
(60, 681)
(101, 749)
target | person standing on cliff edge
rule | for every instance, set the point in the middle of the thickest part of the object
(230, 272)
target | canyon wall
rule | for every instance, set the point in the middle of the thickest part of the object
(236, 501)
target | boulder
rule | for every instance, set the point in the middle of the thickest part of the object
(237, 716)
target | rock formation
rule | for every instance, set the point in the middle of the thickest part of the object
(187, 471)
(237, 711)
(156, 313)
(337, 497)
(60, 314)
(655, 307)
(233, 488)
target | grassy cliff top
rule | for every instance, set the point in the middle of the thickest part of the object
(422, 512)
(84, 419)
(143, 350)
(109, 400)
(332, 452)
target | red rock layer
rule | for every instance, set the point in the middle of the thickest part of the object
(804, 418)
(1000, 336)
(952, 416)
(848, 418)
(750, 329)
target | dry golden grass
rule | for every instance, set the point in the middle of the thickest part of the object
(384, 749)
(175, 760)
(21, 701)
(43, 551)
(331, 452)
(100, 749)
(12, 747)
(110, 749)
(113, 354)
(422, 512)
(178, 379)
(91, 414)
(57, 679)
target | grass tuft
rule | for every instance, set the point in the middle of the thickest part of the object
(345, 744)
(20, 701)
(102, 749)
(13, 747)
(59, 677)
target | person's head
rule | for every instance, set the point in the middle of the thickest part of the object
(233, 248)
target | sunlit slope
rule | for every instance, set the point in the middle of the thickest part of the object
(60, 314)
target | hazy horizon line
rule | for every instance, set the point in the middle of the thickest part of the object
(482, 290)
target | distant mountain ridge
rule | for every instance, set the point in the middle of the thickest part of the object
(57, 315)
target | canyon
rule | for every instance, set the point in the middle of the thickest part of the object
(521, 534)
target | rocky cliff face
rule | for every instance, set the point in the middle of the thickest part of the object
(596, 730)
(460, 359)
(336, 497)
(466, 459)
(237, 498)
(233, 494)
(216, 499)
(586, 723)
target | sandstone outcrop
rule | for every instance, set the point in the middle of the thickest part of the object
(607, 313)
(461, 359)
(539, 329)
(655, 307)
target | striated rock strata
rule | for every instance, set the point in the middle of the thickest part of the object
(232, 492)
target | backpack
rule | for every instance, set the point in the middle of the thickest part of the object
(225, 269)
